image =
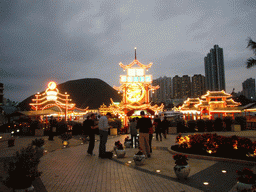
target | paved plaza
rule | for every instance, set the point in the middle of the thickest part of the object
(71, 169)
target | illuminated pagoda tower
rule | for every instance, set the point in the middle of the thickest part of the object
(53, 98)
(136, 87)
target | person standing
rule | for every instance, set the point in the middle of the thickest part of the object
(133, 131)
(53, 125)
(157, 125)
(93, 125)
(87, 127)
(151, 131)
(144, 125)
(164, 126)
(103, 131)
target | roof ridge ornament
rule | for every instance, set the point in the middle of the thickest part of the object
(135, 61)
(135, 53)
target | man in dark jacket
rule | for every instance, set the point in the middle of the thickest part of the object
(86, 128)
(144, 125)
(157, 124)
(92, 125)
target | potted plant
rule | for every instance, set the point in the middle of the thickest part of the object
(139, 158)
(127, 142)
(246, 180)
(22, 169)
(38, 143)
(116, 145)
(120, 151)
(181, 168)
(65, 139)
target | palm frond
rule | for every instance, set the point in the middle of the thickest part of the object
(250, 62)
(251, 45)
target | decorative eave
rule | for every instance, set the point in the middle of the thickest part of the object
(120, 88)
(151, 87)
(135, 106)
(231, 102)
(135, 62)
(216, 94)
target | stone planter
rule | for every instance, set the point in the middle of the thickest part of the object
(243, 186)
(182, 171)
(128, 144)
(120, 153)
(29, 189)
(139, 159)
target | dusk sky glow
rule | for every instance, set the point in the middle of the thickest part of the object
(62, 40)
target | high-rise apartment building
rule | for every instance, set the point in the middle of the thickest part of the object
(214, 70)
(185, 87)
(249, 88)
(163, 94)
(176, 87)
(198, 86)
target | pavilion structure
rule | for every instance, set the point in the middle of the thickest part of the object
(53, 99)
(136, 87)
(211, 105)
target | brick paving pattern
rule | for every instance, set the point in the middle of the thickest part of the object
(71, 169)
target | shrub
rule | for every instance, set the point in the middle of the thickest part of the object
(38, 142)
(209, 125)
(228, 123)
(22, 169)
(240, 120)
(196, 141)
(181, 126)
(218, 124)
(191, 126)
(200, 125)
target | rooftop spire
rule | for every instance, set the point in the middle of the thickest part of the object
(135, 53)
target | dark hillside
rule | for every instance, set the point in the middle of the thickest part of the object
(84, 92)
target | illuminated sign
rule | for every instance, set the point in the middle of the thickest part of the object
(135, 92)
(131, 72)
(140, 72)
(123, 78)
(51, 91)
(52, 85)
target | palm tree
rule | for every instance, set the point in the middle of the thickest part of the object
(251, 61)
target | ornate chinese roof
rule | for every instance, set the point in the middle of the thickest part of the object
(216, 94)
(190, 104)
(135, 62)
(231, 102)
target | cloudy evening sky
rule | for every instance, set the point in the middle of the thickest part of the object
(62, 40)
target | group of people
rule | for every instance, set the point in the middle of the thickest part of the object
(144, 125)
(146, 129)
(89, 128)
(161, 127)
